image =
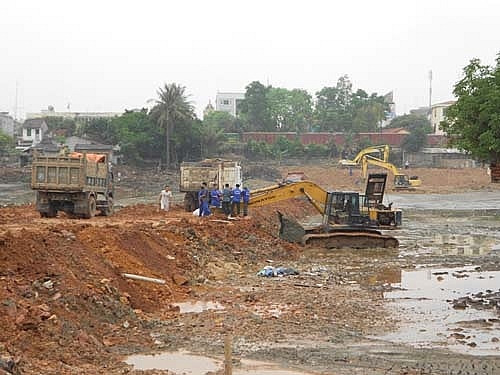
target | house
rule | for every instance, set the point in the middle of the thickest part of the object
(7, 124)
(33, 131)
(229, 102)
(438, 114)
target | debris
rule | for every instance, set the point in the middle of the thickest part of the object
(143, 278)
(270, 271)
(49, 284)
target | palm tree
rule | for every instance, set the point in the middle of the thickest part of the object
(171, 107)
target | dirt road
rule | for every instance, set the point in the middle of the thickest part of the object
(67, 309)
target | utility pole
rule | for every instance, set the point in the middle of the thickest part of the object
(15, 105)
(430, 97)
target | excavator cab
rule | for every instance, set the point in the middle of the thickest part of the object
(344, 208)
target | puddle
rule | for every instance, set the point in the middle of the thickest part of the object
(263, 368)
(198, 306)
(180, 362)
(189, 364)
(453, 236)
(428, 319)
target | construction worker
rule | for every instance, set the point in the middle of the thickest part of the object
(165, 198)
(236, 200)
(215, 196)
(203, 197)
(226, 200)
(245, 195)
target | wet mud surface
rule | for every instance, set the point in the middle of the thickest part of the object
(429, 307)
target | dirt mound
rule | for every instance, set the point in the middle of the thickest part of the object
(63, 296)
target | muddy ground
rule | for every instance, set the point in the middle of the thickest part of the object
(66, 307)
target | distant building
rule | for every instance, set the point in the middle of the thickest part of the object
(7, 124)
(438, 114)
(208, 109)
(50, 112)
(229, 102)
(33, 131)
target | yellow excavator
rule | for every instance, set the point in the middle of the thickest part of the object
(366, 157)
(401, 180)
(349, 218)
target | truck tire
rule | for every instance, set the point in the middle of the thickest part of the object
(52, 212)
(109, 209)
(91, 208)
(190, 202)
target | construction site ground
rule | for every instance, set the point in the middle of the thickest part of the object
(66, 306)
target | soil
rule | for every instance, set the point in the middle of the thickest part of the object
(67, 308)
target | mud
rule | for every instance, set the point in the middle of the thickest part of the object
(66, 309)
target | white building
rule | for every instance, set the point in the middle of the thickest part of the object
(50, 112)
(228, 102)
(438, 114)
(33, 131)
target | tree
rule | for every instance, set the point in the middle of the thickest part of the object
(418, 126)
(255, 108)
(411, 122)
(137, 135)
(172, 106)
(474, 119)
(7, 144)
(290, 110)
(222, 120)
(334, 107)
(211, 137)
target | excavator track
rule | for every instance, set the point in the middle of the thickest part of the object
(351, 239)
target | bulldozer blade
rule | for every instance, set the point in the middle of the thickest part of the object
(353, 240)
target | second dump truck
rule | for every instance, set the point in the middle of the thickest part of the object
(79, 184)
(211, 171)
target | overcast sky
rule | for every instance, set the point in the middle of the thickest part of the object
(111, 55)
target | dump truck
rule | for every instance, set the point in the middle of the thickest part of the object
(79, 184)
(211, 171)
(349, 219)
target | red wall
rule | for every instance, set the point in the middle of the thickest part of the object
(392, 139)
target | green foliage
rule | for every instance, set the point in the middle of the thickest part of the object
(187, 140)
(61, 126)
(290, 110)
(411, 122)
(257, 150)
(222, 120)
(314, 150)
(418, 126)
(137, 135)
(7, 144)
(254, 109)
(211, 137)
(474, 120)
(172, 108)
(99, 130)
(338, 109)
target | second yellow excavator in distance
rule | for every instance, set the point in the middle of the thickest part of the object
(349, 219)
(367, 157)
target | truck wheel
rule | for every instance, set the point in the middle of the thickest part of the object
(189, 202)
(52, 211)
(91, 208)
(109, 209)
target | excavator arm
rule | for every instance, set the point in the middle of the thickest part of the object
(382, 150)
(276, 193)
(401, 180)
